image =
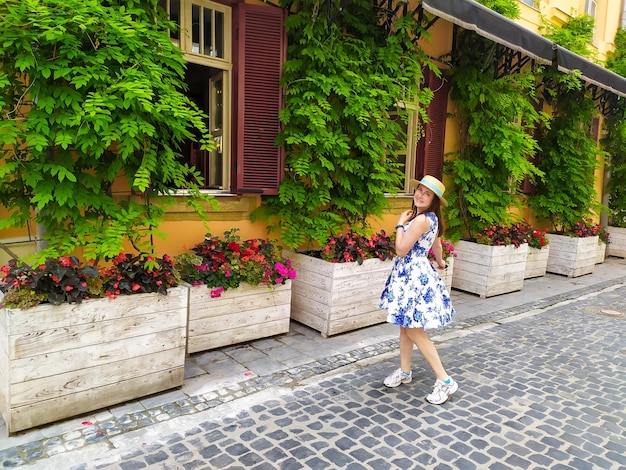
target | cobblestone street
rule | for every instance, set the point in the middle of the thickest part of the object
(542, 386)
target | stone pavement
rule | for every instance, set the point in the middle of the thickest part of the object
(542, 376)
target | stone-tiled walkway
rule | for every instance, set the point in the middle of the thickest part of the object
(542, 383)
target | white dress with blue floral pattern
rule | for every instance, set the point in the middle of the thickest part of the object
(414, 294)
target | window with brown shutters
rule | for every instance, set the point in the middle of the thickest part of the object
(259, 51)
(430, 148)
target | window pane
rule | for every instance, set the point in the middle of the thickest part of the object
(219, 34)
(393, 114)
(207, 30)
(175, 17)
(195, 28)
(206, 89)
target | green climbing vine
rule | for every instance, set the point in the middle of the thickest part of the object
(615, 141)
(568, 157)
(88, 91)
(343, 76)
(497, 117)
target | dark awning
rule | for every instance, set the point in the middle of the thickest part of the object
(491, 25)
(592, 73)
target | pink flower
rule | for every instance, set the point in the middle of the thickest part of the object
(215, 293)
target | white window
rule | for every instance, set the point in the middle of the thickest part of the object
(530, 3)
(590, 7)
(205, 38)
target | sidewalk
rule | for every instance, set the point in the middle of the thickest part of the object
(221, 376)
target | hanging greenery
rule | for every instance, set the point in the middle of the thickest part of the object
(343, 77)
(497, 118)
(615, 146)
(615, 141)
(90, 90)
(569, 155)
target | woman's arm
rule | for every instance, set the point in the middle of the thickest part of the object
(438, 250)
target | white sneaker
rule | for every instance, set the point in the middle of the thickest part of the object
(442, 391)
(398, 377)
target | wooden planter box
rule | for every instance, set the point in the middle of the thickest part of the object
(572, 256)
(537, 262)
(617, 242)
(334, 298)
(242, 314)
(601, 256)
(489, 270)
(61, 361)
(446, 274)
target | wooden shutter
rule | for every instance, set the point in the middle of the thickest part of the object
(259, 52)
(430, 148)
(595, 129)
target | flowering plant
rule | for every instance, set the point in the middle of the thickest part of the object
(535, 238)
(586, 228)
(68, 280)
(135, 274)
(447, 250)
(353, 247)
(515, 234)
(500, 235)
(224, 263)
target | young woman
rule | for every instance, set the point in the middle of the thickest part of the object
(414, 296)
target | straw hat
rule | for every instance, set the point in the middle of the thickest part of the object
(433, 184)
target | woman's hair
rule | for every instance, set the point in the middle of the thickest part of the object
(435, 208)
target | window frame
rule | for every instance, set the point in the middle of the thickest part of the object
(225, 64)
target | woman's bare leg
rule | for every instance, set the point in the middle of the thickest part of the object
(406, 350)
(427, 348)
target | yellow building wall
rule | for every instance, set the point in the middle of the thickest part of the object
(608, 14)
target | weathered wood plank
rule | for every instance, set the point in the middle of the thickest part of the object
(59, 362)
(537, 262)
(215, 339)
(489, 270)
(242, 314)
(572, 256)
(617, 245)
(80, 380)
(75, 336)
(325, 296)
(48, 317)
(82, 366)
(201, 306)
(356, 321)
(223, 322)
(48, 411)
(601, 255)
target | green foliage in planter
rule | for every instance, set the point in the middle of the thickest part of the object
(68, 280)
(568, 156)
(615, 146)
(343, 75)
(90, 90)
(497, 117)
